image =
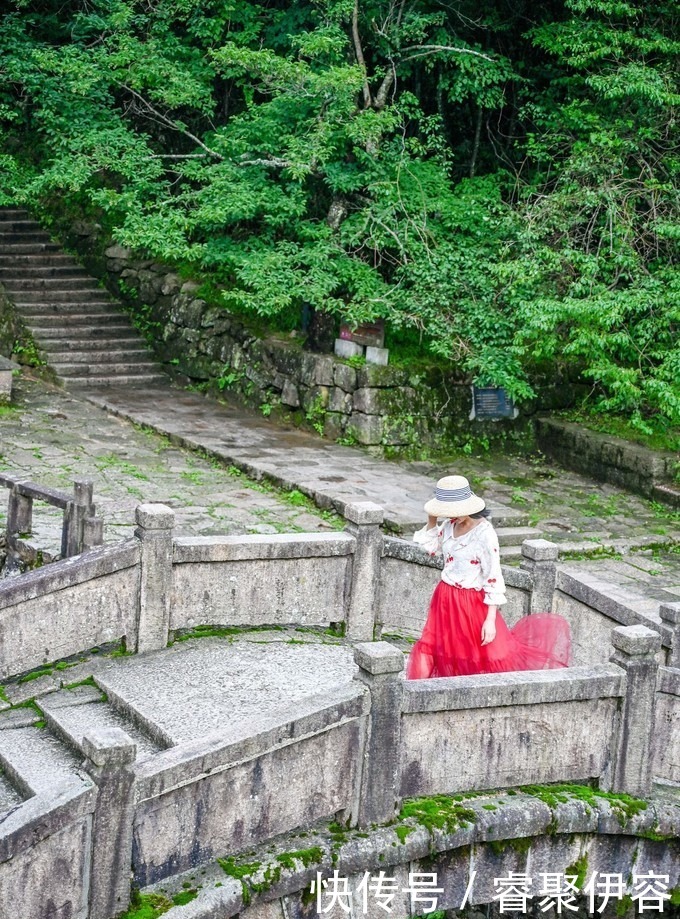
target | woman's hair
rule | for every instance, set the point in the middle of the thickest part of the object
(485, 512)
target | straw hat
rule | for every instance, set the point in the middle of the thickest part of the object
(453, 497)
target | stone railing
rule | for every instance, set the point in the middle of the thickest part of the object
(353, 753)
(81, 529)
(145, 588)
(356, 751)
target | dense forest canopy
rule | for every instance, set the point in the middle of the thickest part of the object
(500, 177)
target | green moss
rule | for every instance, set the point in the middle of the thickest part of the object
(439, 812)
(623, 905)
(236, 869)
(186, 896)
(655, 836)
(147, 906)
(307, 857)
(88, 681)
(579, 869)
(489, 807)
(403, 832)
(3, 695)
(35, 674)
(624, 806)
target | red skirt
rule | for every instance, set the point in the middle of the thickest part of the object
(451, 643)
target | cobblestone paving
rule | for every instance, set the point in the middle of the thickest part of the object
(53, 437)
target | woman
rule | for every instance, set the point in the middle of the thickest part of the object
(464, 632)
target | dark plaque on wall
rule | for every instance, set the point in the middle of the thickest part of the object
(489, 403)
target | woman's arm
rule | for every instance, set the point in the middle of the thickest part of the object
(489, 626)
(430, 536)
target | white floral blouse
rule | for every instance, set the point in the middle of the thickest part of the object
(470, 561)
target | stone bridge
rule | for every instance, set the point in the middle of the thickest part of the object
(267, 726)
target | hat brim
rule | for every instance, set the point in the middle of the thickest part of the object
(471, 505)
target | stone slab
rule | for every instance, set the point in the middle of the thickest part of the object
(35, 760)
(74, 713)
(475, 749)
(198, 687)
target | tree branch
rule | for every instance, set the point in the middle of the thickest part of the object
(168, 122)
(359, 51)
(437, 49)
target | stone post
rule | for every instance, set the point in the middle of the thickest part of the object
(670, 614)
(364, 524)
(155, 524)
(19, 513)
(635, 647)
(74, 516)
(109, 754)
(539, 557)
(93, 532)
(380, 667)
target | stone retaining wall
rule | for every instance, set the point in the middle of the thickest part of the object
(10, 327)
(606, 458)
(386, 407)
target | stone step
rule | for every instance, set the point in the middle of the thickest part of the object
(24, 248)
(103, 356)
(71, 713)
(18, 224)
(128, 379)
(51, 285)
(81, 314)
(14, 213)
(23, 236)
(72, 295)
(30, 260)
(33, 759)
(66, 346)
(9, 796)
(121, 368)
(54, 333)
(668, 494)
(11, 272)
(515, 536)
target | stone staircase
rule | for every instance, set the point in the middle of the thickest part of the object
(81, 330)
(43, 743)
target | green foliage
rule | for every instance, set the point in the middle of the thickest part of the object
(147, 906)
(500, 183)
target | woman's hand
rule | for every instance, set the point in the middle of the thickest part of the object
(489, 630)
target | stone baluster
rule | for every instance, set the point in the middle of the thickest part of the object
(155, 523)
(380, 667)
(670, 615)
(539, 557)
(19, 513)
(75, 513)
(364, 519)
(109, 754)
(635, 649)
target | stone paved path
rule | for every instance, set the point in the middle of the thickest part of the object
(53, 437)
(289, 457)
(566, 506)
